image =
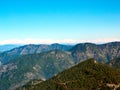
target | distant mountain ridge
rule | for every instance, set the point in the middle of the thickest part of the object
(30, 49)
(101, 52)
(7, 47)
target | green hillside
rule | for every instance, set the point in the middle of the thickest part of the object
(88, 75)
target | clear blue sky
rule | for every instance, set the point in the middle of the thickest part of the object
(59, 19)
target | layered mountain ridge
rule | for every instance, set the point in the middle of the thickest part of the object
(101, 52)
(30, 49)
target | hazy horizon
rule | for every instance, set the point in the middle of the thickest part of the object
(22, 44)
(59, 21)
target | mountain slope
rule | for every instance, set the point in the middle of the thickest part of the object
(88, 75)
(102, 53)
(115, 63)
(30, 49)
(42, 66)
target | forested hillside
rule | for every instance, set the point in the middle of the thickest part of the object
(88, 75)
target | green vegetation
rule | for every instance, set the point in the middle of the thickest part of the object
(88, 75)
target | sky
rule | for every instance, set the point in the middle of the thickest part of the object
(59, 21)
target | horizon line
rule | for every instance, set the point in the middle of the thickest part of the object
(51, 41)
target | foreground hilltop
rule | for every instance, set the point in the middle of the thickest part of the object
(88, 75)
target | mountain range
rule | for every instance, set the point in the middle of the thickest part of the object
(42, 62)
(101, 52)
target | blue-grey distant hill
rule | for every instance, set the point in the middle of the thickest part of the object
(7, 47)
